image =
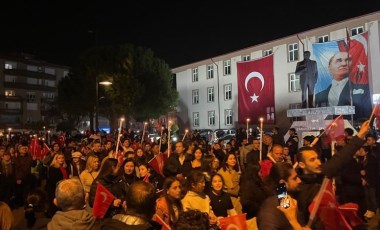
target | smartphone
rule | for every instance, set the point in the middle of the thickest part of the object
(282, 195)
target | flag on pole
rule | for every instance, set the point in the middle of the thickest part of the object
(158, 219)
(335, 129)
(103, 200)
(234, 222)
(35, 148)
(255, 80)
(157, 163)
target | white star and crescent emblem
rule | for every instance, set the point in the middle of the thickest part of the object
(104, 196)
(251, 75)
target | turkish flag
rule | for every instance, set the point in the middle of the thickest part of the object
(103, 200)
(35, 148)
(358, 51)
(45, 150)
(255, 81)
(237, 222)
(157, 163)
(335, 129)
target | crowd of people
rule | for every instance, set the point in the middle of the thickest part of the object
(199, 182)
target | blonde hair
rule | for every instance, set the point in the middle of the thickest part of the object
(89, 163)
(54, 162)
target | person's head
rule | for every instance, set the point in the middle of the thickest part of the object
(139, 152)
(58, 160)
(370, 139)
(92, 163)
(69, 195)
(306, 55)
(363, 151)
(128, 166)
(196, 181)
(285, 151)
(108, 145)
(198, 154)
(56, 147)
(155, 148)
(126, 142)
(339, 65)
(144, 169)
(141, 199)
(22, 149)
(192, 220)
(256, 144)
(6, 156)
(308, 160)
(96, 147)
(110, 166)
(35, 202)
(179, 148)
(283, 172)
(267, 139)
(307, 140)
(276, 153)
(172, 188)
(75, 156)
(292, 131)
(229, 162)
(217, 182)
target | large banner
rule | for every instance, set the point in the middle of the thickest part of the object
(256, 90)
(343, 74)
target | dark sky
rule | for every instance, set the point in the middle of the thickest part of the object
(179, 33)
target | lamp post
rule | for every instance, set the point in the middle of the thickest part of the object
(48, 138)
(9, 134)
(248, 128)
(106, 83)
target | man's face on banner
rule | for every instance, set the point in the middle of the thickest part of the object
(339, 65)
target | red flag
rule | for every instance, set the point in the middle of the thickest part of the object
(158, 219)
(376, 114)
(256, 90)
(157, 163)
(45, 150)
(234, 222)
(35, 148)
(62, 140)
(103, 200)
(358, 51)
(333, 215)
(335, 129)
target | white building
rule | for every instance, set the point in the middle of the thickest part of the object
(208, 97)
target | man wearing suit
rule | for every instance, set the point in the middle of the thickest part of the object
(308, 72)
(339, 92)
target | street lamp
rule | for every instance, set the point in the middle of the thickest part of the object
(9, 134)
(106, 83)
(247, 128)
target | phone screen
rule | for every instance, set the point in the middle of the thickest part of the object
(282, 195)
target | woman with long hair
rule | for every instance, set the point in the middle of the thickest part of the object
(90, 173)
(56, 172)
(231, 176)
(128, 174)
(108, 177)
(148, 174)
(168, 205)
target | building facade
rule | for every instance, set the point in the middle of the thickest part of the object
(208, 90)
(27, 87)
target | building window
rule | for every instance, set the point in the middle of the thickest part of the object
(32, 68)
(195, 96)
(267, 52)
(357, 30)
(228, 116)
(295, 106)
(10, 65)
(227, 92)
(31, 106)
(48, 95)
(210, 72)
(50, 71)
(196, 119)
(294, 83)
(270, 113)
(195, 74)
(293, 52)
(49, 83)
(210, 94)
(211, 118)
(10, 93)
(10, 78)
(227, 67)
(13, 105)
(32, 81)
(323, 38)
(246, 57)
(30, 96)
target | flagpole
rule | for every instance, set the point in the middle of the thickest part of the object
(118, 137)
(162, 129)
(317, 201)
(261, 138)
(183, 138)
(349, 71)
(169, 122)
(143, 134)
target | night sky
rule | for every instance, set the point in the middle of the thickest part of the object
(179, 33)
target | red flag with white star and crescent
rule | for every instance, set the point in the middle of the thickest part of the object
(256, 90)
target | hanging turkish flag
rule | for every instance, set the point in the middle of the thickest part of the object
(358, 51)
(256, 90)
(103, 200)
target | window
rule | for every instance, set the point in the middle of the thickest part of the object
(293, 52)
(13, 105)
(48, 95)
(196, 119)
(10, 65)
(31, 106)
(210, 94)
(323, 38)
(267, 52)
(210, 71)
(294, 83)
(32, 68)
(49, 83)
(195, 74)
(30, 96)
(295, 106)
(10, 78)
(65, 73)
(227, 67)
(195, 96)
(270, 113)
(50, 71)
(32, 81)
(227, 92)
(246, 58)
(10, 93)
(211, 118)
(357, 30)
(228, 116)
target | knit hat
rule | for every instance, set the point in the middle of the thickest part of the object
(76, 154)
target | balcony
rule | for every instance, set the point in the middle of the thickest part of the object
(26, 73)
(26, 86)
(11, 111)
